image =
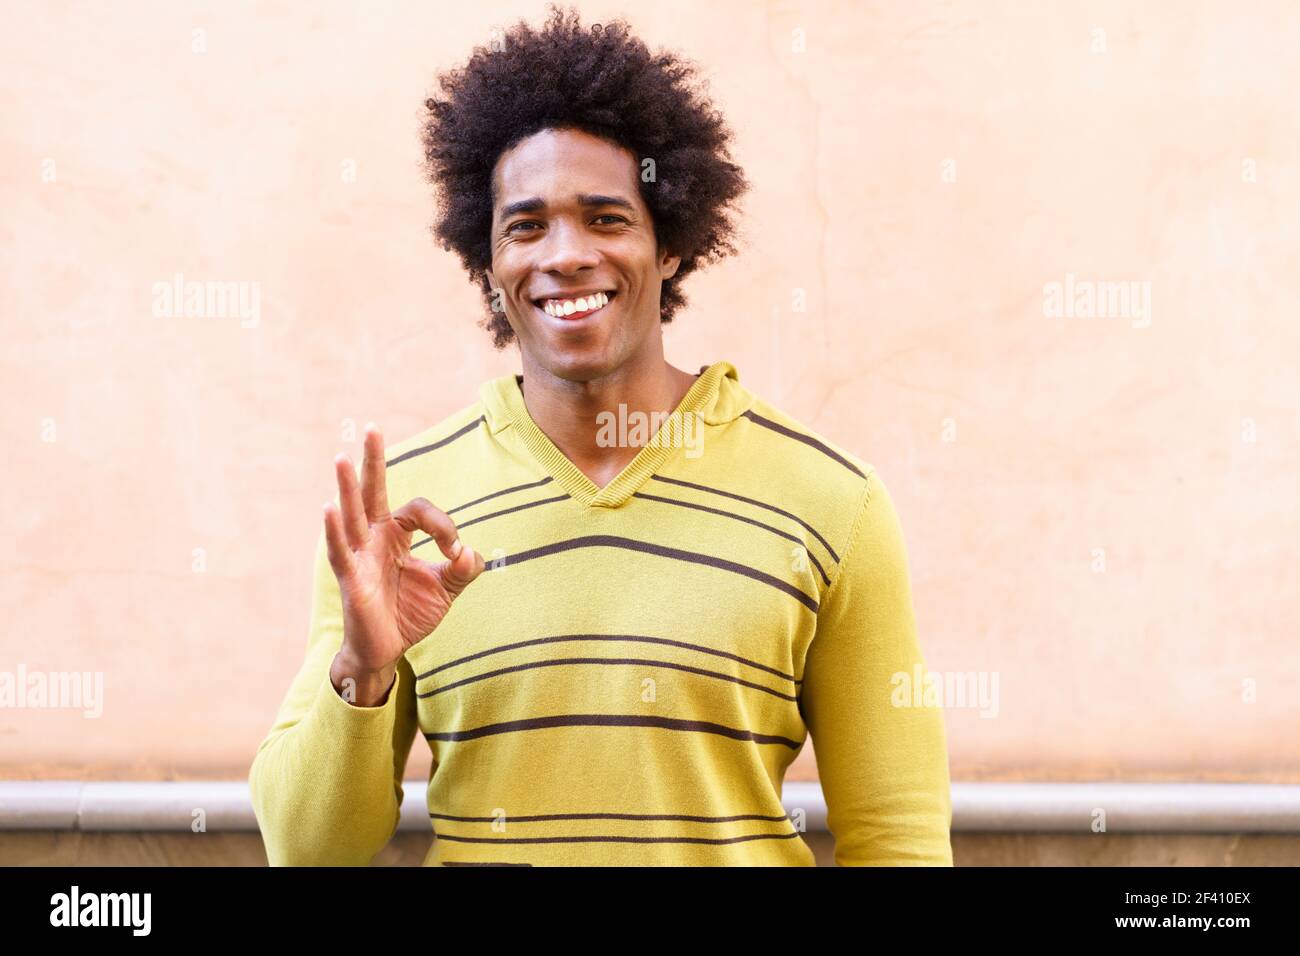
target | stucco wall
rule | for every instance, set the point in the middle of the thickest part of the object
(1100, 511)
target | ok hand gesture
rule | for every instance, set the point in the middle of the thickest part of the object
(391, 600)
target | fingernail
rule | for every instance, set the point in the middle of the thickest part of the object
(456, 549)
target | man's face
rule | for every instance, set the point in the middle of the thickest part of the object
(567, 221)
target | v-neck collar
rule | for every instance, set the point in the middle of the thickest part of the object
(716, 395)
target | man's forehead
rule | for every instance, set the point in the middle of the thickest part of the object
(563, 172)
(510, 207)
(556, 188)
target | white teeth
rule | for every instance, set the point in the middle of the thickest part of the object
(557, 307)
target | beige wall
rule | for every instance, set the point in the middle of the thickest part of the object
(921, 171)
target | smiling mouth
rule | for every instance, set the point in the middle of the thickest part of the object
(571, 310)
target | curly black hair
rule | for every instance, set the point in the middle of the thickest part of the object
(603, 81)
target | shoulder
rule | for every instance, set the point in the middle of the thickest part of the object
(837, 469)
(841, 492)
(833, 462)
(802, 471)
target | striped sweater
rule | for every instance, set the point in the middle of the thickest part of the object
(630, 678)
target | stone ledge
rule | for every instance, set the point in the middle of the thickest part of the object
(977, 807)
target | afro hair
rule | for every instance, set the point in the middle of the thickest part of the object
(600, 80)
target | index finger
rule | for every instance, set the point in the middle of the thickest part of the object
(374, 486)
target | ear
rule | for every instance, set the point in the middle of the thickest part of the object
(668, 264)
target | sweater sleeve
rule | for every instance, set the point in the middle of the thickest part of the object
(326, 783)
(883, 765)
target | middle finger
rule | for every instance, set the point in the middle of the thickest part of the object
(374, 488)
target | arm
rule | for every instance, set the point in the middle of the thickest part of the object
(327, 781)
(883, 768)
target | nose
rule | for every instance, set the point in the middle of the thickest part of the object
(567, 248)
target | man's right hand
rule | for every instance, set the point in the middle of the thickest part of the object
(391, 600)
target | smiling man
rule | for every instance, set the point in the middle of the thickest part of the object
(614, 649)
(575, 256)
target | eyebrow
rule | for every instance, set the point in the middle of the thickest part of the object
(535, 203)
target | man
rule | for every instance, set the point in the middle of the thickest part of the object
(684, 582)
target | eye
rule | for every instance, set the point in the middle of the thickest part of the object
(610, 215)
(522, 222)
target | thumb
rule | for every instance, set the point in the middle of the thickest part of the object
(463, 563)
(458, 572)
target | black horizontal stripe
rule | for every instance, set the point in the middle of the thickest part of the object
(606, 660)
(473, 863)
(547, 817)
(806, 439)
(646, 547)
(754, 501)
(496, 514)
(731, 514)
(714, 841)
(610, 720)
(497, 494)
(465, 430)
(608, 637)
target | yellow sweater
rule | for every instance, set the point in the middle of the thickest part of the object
(629, 679)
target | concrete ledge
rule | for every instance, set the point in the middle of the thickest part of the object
(182, 848)
(977, 807)
(1128, 807)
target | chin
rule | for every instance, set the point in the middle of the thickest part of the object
(578, 356)
(575, 366)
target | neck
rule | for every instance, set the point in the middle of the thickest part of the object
(567, 411)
